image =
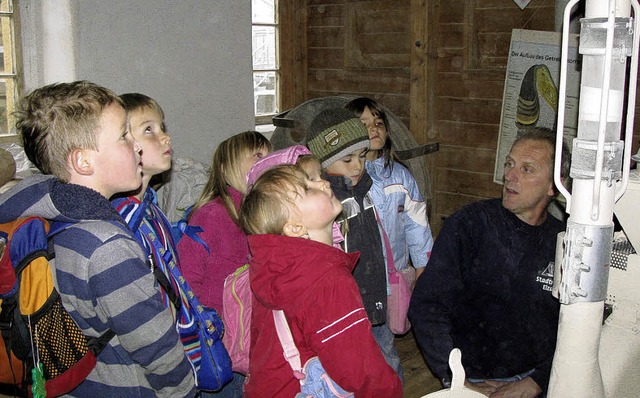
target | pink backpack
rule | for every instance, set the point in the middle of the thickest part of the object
(236, 313)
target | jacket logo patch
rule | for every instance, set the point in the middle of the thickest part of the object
(332, 137)
(545, 277)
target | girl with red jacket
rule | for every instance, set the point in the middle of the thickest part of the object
(289, 220)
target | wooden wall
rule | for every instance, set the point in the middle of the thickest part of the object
(437, 64)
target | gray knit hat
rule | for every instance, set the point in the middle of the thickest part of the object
(336, 133)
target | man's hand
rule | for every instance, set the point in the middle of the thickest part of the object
(486, 388)
(525, 388)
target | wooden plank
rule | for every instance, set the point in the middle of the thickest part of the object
(385, 43)
(483, 136)
(468, 110)
(504, 19)
(422, 70)
(449, 59)
(292, 49)
(450, 12)
(357, 80)
(451, 36)
(391, 18)
(466, 182)
(494, 43)
(368, 44)
(325, 36)
(466, 158)
(534, 4)
(325, 58)
(460, 86)
(326, 15)
(419, 380)
(454, 202)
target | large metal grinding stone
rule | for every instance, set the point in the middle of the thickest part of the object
(292, 127)
(7, 167)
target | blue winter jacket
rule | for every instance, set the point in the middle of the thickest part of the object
(402, 211)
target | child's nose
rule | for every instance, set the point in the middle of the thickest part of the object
(136, 146)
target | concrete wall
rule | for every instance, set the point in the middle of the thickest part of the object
(192, 56)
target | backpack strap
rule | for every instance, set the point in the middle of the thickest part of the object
(97, 344)
(291, 353)
(163, 281)
(94, 344)
(182, 227)
(158, 267)
(186, 293)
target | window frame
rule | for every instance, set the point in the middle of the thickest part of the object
(265, 119)
(10, 75)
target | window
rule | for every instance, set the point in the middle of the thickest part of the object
(265, 59)
(8, 78)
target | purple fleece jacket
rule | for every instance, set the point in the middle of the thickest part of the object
(228, 250)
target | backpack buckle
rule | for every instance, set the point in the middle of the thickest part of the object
(6, 314)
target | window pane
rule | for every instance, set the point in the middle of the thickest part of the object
(8, 93)
(264, 93)
(263, 11)
(264, 47)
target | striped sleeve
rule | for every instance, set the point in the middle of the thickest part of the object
(105, 280)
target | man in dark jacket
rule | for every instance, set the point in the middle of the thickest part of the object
(487, 288)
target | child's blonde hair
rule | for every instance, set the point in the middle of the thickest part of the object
(56, 119)
(305, 160)
(225, 171)
(136, 101)
(266, 208)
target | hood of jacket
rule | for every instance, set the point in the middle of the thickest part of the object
(282, 268)
(47, 197)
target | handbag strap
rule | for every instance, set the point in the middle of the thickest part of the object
(391, 266)
(291, 353)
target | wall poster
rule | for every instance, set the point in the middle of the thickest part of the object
(530, 96)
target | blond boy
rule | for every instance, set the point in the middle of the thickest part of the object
(78, 134)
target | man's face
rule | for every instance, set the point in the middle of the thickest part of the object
(528, 180)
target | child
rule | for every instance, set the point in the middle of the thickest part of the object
(216, 212)
(146, 120)
(376, 202)
(79, 133)
(375, 120)
(382, 160)
(295, 269)
(301, 156)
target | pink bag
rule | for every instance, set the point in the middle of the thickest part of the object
(236, 314)
(401, 283)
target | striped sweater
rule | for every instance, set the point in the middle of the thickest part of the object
(104, 283)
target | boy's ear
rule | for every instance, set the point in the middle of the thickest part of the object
(81, 161)
(293, 230)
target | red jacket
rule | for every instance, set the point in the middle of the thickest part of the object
(312, 283)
